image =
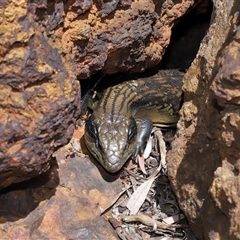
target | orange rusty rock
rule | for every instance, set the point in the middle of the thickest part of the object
(111, 39)
(39, 98)
(69, 209)
(203, 164)
(44, 47)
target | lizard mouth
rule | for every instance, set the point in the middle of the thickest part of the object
(113, 165)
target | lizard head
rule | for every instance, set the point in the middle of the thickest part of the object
(111, 140)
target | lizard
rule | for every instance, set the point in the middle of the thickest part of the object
(122, 119)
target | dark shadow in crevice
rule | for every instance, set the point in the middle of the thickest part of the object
(187, 35)
(19, 199)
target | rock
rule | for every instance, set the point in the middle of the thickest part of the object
(39, 99)
(117, 36)
(63, 203)
(204, 160)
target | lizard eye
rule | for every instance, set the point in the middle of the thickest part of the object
(91, 128)
(132, 130)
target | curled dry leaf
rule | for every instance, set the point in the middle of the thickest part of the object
(142, 163)
(148, 148)
(146, 154)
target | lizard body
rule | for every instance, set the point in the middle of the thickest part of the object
(122, 120)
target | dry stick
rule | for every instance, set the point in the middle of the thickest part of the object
(151, 222)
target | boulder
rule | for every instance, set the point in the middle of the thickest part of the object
(204, 160)
(39, 97)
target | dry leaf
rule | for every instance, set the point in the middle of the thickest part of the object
(148, 148)
(139, 196)
(173, 219)
(146, 154)
(142, 163)
(115, 200)
(163, 150)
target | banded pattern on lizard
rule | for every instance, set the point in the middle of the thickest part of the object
(121, 122)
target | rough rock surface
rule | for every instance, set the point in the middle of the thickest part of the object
(115, 36)
(39, 99)
(205, 157)
(65, 204)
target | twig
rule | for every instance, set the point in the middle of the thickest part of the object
(146, 220)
